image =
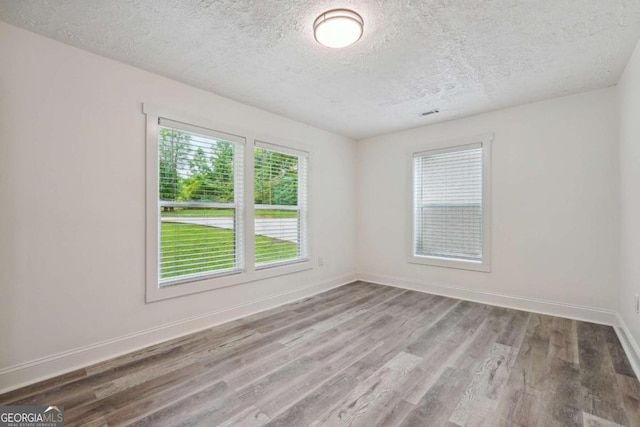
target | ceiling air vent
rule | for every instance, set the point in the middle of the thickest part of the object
(428, 113)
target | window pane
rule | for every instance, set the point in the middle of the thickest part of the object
(448, 204)
(199, 231)
(196, 241)
(280, 207)
(277, 235)
(195, 168)
(276, 178)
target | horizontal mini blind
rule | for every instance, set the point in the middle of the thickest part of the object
(280, 177)
(448, 203)
(200, 202)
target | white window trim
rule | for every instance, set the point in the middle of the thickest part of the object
(450, 145)
(155, 292)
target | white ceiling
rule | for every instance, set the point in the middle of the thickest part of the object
(461, 56)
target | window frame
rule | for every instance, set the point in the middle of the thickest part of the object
(248, 273)
(444, 146)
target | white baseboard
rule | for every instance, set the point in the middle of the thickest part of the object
(30, 372)
(629, 344)
(570, 311)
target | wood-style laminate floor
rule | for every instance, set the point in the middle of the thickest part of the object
(363, 355)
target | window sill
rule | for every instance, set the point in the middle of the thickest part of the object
(208, 283)
(451, 263)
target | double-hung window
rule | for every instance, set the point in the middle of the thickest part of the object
(451, 206)
(212, 221)
(280, 189)
(200, 189)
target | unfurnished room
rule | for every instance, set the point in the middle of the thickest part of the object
(319, 213)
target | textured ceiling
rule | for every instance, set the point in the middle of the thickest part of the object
(461, 56)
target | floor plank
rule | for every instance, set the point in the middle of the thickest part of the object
(361, 355)
(360, 406)
(601, 395)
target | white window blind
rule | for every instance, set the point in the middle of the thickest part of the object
(448, 197)
(280, 187)
(200, 202)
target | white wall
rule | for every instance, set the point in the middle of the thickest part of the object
(72, 190)
(629, 95)
(554, 201)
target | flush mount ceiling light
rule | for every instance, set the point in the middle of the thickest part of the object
(338, 28)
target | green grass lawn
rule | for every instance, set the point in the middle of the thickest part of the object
(260, 213)
(210, 248)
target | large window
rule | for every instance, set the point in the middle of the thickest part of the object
(280, 205)
(200, 202)
(450, 206)
(211, 220)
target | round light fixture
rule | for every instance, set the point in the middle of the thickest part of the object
(338, 28)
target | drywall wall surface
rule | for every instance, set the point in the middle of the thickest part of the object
(72, 251)
(554, 202)
(629, 95)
